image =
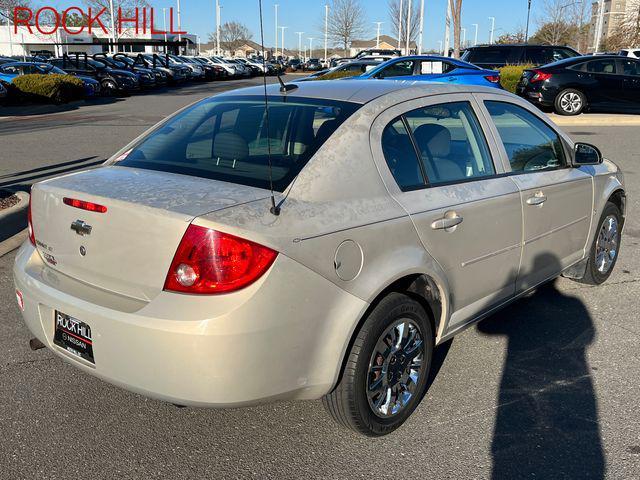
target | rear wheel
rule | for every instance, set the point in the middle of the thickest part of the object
(386, 370)
(605, 248)
(570, 102)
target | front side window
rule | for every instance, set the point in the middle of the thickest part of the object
(450, 143)
(531, 144)
(229, 139)
(631, 67)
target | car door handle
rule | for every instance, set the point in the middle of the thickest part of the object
(537, 199)
(450, 220)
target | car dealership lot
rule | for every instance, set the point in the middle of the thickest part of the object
(548, 386)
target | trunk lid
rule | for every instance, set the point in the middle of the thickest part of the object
(130, 246)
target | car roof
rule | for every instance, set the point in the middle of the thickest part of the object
(359, 91)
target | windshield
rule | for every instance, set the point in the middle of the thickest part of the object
(227, 139)
(52, 69)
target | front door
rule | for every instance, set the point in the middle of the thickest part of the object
(556, 198)
(631, 83)
(467, 216)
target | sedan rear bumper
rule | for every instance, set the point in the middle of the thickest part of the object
(268, 341)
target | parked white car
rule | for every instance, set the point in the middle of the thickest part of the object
(630, 52)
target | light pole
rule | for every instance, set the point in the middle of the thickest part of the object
(475, 39)
(299, 44)
(378, 34)
(217, 27)
(599, 26)
(326, 31)
(179, 29)
(164, 20)
(311, 47)
(113, 28)
(447, 30)
(493, 27)
(282, 43)
(526, 32)
(421, 27)
(464, 36)
(276, 7)
(400, 26)
(440, 43)
(408, 29)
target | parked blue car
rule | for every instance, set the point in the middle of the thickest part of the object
(434, 68)
(9, 71)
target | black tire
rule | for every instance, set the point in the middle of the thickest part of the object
(594, 275)
(570, 102)
(348, 403)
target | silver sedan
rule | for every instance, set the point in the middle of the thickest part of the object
(228, 257)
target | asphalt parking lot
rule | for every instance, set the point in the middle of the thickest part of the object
(546, 389)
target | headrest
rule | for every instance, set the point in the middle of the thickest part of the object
(230, 146)
(433, 139)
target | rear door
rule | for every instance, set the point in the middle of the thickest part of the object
(438, 164)
(556, 198)
(607, 88)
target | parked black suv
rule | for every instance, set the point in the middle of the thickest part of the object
(496, 56)
(112, 81)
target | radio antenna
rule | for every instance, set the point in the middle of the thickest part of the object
(275, 209)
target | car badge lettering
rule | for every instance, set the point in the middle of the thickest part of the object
(81, 228)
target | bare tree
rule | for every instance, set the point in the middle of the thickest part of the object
(512, 37)
(232, 34)
(7, 6)
(400, 19)
(346, 22)
(456, 17)
(555, 23)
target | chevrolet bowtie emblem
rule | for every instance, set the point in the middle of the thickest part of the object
(81, 228)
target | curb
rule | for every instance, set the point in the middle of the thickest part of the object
(13, 222)
(596, 120)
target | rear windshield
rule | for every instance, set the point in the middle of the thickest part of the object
(228, 139)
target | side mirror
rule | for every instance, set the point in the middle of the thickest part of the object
(586, 154)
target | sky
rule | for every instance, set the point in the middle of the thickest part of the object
(198, 17)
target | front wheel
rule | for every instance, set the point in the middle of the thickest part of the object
(386, 370)
(570, 102)
(605, 248)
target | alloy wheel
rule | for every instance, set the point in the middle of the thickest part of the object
(571, 102)
(395, 368)
(607, 244)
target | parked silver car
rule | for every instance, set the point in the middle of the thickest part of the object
(402, 213)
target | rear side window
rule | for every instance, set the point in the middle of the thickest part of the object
(601, 66)
(496, 55)
(544, 55)
(450, 143)
(228, 139)
(530, 143)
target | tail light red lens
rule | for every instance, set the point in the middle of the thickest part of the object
(540, 76)
(82, 205)
(32, 236)
(493, 78)
(209, 262)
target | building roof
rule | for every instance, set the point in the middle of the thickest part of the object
(383, 39)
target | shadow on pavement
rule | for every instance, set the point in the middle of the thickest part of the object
(547, 418)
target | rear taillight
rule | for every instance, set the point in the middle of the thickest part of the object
(32, 236)
(493, 78)
(209, 262)
(540, 76)
(82, 205)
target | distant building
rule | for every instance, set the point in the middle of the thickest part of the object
(386, 43)
(614, 12)
(25, 43)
